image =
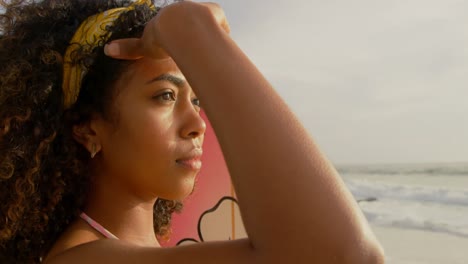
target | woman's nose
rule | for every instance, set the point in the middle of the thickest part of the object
(193, 124)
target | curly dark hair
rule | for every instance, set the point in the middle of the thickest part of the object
(44, 172)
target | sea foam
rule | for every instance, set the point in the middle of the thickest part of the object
(406, 196)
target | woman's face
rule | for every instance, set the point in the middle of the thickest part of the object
(153, 148)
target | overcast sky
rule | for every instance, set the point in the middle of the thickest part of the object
(373, 81)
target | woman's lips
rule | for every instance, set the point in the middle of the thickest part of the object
(193, 164)
(191, 160)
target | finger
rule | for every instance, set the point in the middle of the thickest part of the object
(127, 49)
(219, 15)
(226, 27)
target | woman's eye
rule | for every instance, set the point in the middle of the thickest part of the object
(196, 102)
(167, 96)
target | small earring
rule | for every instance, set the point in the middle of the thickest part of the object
(93, 150)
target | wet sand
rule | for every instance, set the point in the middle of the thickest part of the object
(409, 246)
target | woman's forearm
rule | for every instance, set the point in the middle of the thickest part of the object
(291, 198)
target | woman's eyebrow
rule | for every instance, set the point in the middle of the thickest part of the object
(180, 83)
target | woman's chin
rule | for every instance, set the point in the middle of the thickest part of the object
(180, 192)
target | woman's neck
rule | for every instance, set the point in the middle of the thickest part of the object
(128, 217)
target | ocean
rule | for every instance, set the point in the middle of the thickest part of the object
(428, 197)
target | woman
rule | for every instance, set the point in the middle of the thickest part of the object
(101, 137)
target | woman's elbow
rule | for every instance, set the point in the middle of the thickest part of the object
(368, 252)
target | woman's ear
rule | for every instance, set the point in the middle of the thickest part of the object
(86, 135)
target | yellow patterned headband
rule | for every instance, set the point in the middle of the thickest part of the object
(88, 36)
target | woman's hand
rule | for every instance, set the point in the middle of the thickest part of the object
(170, 21)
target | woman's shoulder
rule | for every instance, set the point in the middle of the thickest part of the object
(119, 252)
(76, 234)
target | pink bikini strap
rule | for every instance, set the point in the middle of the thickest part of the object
(97, 226)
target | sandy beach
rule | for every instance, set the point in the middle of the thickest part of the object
(409, 246)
